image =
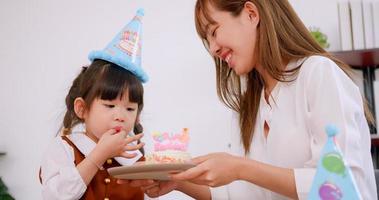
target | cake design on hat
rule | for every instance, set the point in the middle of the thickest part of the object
(125, 49)
(333, 179)
(130, 44)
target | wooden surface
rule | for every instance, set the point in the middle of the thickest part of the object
(359, 58)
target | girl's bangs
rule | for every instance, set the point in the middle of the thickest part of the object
(114, 81)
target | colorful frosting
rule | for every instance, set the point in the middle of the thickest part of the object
(165, 141)
(170, 148)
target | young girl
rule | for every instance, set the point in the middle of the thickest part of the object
(107, 99)
(286, 89)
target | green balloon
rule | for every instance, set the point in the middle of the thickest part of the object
(333, 163)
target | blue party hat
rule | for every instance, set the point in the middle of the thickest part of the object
(125, 49)
(333, 179)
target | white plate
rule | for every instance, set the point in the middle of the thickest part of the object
(149, 171)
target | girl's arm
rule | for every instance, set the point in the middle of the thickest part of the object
(90, 165)
(110, 145)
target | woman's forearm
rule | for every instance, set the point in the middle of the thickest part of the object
(279, 180)
(200, 192)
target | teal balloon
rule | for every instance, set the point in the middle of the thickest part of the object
(333, 163)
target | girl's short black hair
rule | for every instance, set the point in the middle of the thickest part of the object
(106, 81)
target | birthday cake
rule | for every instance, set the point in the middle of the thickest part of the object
(170, 148)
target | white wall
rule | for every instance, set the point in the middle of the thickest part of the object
(324, 14)
(44, 43)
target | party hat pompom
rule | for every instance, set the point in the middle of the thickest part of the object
(331, 130)
(125, 49)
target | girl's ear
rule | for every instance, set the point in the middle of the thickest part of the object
(79, 107)
(252, 11)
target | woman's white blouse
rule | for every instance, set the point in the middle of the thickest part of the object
(297, 114)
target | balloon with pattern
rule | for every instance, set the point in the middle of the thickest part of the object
(333, 163)
(329, 191)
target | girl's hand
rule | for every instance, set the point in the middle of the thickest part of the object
(152, 188)
(113, 144)
(213, 170)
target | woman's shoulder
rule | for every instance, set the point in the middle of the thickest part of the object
(320, 70)
(318, 67)
(317, 62)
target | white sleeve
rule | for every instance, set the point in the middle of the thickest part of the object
(332, 97)
(219, 193)
(60, 177)
(234, 148)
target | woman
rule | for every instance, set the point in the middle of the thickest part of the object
(285, 89)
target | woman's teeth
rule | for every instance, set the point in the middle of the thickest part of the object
(227, 58)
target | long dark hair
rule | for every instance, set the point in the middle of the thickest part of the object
(106, 81)
(282, 36)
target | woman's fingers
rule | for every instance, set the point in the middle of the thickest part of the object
(194, 174)
(189, 174)
(141, 183)
(200, 159)
(153, 192)
(148, 187)
(199, 181)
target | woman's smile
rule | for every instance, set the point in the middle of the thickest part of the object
(227, 57)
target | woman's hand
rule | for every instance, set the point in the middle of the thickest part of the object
(156, 188)
(113, 144)
(213, 170)
(152, 188)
